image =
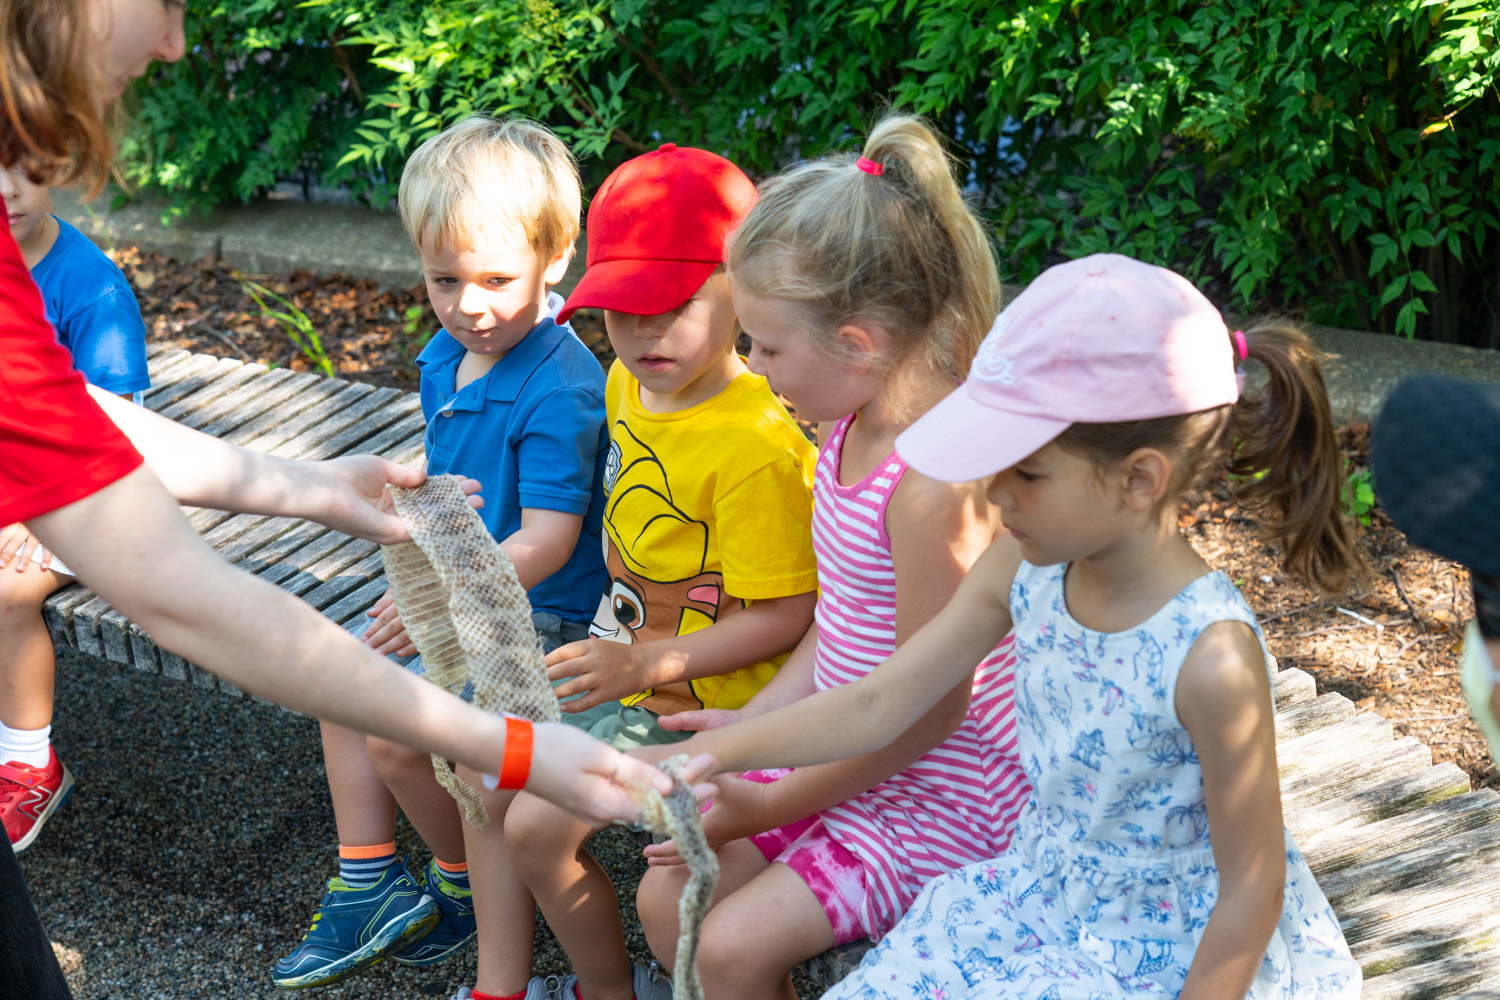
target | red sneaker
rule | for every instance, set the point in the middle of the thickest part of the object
(28, 795)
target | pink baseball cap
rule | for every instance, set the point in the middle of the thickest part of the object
(1097, 340)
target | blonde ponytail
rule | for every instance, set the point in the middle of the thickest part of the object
(892, 245)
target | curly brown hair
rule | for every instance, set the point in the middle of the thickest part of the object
(55, 126)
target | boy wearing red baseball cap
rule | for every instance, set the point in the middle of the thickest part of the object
(707, 519)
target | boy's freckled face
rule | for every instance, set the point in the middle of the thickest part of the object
(490, 293)
(674, 353)
(26, 203)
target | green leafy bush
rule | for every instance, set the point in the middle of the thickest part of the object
(1322, 155)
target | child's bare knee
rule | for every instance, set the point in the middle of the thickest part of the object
(392, 758)
(537, 830)
(722, 943)
(656, 905)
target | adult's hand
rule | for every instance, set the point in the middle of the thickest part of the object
(349, 494)
(587, 777)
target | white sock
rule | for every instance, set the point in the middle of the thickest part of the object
(31, 747)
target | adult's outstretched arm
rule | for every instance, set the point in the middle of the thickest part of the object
(347, 493)
(131, 544)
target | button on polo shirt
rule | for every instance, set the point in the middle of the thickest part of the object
(532, 430)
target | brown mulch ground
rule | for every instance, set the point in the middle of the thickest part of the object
(1392, 647)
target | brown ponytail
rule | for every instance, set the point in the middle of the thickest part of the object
(54, 124)
(1285, 431)
(1277, 444)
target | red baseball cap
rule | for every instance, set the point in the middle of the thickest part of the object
(656, 230)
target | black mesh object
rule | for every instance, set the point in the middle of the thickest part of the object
(1487, 604)
(1435, 458)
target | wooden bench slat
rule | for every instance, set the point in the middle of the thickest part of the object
(1412, 866)
(237, 378)
(1291, 686)
(285, 398)
(163, 395)
(1334, 848)
(1449, 976)
(1381, 763)
(1306, 716)
(1389, 798)
(319, 398)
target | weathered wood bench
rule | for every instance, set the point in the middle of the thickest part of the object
(1407, 854)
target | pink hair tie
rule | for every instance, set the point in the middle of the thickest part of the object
(869, 166)
(1241, 352)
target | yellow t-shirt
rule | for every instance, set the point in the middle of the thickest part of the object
(706, 510)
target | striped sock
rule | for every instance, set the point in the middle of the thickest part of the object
(456, 875)
(361, 867)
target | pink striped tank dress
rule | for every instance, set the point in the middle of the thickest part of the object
(954, 806)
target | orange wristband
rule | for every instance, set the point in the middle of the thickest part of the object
(515, 766)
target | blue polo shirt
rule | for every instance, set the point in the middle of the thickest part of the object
(532, 431)
(90, 305)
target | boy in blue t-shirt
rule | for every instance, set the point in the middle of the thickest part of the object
(515, 400)
(90, 305)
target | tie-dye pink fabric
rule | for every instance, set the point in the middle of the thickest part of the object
(830, 870)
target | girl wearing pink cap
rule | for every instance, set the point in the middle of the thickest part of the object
(865, 284)
(1151, 859)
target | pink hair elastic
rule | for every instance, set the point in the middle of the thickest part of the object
(870, 167)
(1241, 352)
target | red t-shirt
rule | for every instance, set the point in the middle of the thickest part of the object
(56, 445)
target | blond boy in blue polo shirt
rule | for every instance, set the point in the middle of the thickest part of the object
(514, 399)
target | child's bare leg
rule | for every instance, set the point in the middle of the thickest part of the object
(28, 668)
(574, 893)
(661, 888)
(503, 906)
(427, 805)
(755, 937)
(363, 809)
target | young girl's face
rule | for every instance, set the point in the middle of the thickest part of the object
(1058, 506)
(817, 386)
(680, 357)
(133, 35)
(26, 203)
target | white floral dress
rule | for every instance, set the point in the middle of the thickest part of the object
(1109, 882)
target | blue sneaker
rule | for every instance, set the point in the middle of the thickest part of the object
(355, 928)
(455, 926)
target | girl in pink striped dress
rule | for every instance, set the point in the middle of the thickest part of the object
(865, 285)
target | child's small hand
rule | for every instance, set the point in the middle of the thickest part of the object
(18, 542)
(731, 817)
(599, 670)
(700, 720)
(387, 633)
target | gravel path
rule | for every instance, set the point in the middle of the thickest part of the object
(196, 844)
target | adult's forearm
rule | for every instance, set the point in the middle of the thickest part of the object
(130, 543)
(199, 469)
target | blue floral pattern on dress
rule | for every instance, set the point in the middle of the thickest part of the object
(1109, 881)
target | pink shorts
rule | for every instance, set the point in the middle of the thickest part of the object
(830, 869)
